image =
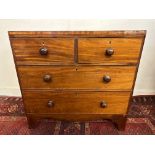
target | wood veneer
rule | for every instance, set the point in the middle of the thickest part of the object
(60, 50)
(77, 63)
(76, 102)
(92, 50)
(78, 77)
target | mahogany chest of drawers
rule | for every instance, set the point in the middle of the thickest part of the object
(77, 75)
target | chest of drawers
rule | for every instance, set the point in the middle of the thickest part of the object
(77, 75)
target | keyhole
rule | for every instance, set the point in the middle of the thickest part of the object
(76, 69)
(43, 44)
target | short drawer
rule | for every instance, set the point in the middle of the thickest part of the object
(109, 50)
(50, 77)
(43, 50)
(76, 102)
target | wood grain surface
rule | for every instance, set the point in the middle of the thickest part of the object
(76, 64)
(60, 51)
(126, 50)
(77, 77)
(112, 34)
(76, 102)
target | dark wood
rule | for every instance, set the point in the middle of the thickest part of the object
(120, 121)
(89, 34)
(106, 78)
(32, 122)
(70, 117)
(76, 51)
(77, 77)
(47, 78)
(50, 103)
(77, 63)
(43, 51)
(109, 52)
(103, 104)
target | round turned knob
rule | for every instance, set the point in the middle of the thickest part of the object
(50, 104)
(43, 51)
(47, 78)
(107, 78)
(109, 52)
(103, 104)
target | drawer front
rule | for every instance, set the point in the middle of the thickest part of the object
(43, 51)
(76, 102)
(48, 77)
(109, 50)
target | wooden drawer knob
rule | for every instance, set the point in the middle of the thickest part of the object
(103, 104)
(43, 51)
(109, 52)
(106, 78)
(47, 78)
(50, 104)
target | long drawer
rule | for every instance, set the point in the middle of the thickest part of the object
(109, 50)
(76, 102)
(43, 50)
(72, 77)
